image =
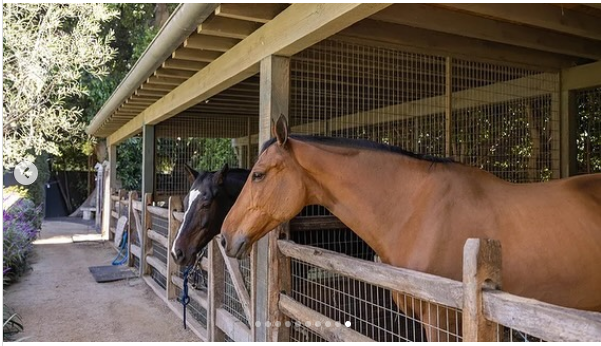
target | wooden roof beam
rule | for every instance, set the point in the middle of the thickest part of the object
(173, 73)
(260, 13)
(157, 87)
(184, 65)
(462, 24)
(397, 36)
(540, 15)
(195, 55)
(164, 80)
(212, 43)
(296, 28)
(227, 27)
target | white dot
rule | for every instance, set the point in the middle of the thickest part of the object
(337, 324)
(287, 324)
(267, 324)
(317, 324)
(347, 323)
(278, 324)
(328, 324)
(308, 323)
(257, 324)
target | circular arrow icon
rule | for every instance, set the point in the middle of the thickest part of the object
(26, 173)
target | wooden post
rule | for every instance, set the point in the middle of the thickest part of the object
(120, 206)
(275, 95)
(248, 144)
(132, 230)
(103, 186)
(147, 191)
(146, 243)
(569, 126)
(175, 204)
(448, 106)
(556, 132)
(481, 270)
(216, 291)
(279, 282)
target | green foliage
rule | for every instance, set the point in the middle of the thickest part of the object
(588, 141)
(47, 48)
(207, 154)
(129, 163)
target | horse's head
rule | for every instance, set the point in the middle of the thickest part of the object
(203, 214)
(274, 193)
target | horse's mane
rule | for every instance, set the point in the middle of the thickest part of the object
(361, 144)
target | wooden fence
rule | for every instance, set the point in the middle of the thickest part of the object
(484, 307)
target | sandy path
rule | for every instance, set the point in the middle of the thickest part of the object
(60, 301)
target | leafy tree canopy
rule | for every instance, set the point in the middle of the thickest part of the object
(47, 50)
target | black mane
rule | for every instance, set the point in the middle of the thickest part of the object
(361, 144)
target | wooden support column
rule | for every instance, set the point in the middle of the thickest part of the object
(568, 128)
(448, 106)
(248, 144)
(573, 79)
(132, 229)
(481, 270)
(216, 291)
(275, 94)
(103, 187)
(146, 243)
(175, 204)
(148, 141)
(112, 151)
(556, 132)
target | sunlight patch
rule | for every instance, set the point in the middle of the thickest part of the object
(59, 239)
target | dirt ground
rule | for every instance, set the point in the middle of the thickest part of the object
(59, 300)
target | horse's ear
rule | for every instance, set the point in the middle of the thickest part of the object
(192, 174)
(220, 175)
(281, 130)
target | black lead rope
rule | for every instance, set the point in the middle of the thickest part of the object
(188, 273)
(185, 299)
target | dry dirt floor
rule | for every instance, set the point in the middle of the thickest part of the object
(59, 300)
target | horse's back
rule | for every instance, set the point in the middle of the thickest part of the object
(557, 243)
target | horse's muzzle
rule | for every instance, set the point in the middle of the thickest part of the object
(178, 256)
(236, 247)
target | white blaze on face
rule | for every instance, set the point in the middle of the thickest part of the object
(193, 195)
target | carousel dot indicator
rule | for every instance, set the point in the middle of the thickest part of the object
(347, 324)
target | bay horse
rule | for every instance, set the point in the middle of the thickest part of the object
(211, 196)
(417, 212)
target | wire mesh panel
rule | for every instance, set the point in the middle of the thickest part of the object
(370, 310)
(159, 225)
(347, 90)
(135, 238)
(200, 141)
(505, 120)
(232, 302)
(588, 138)
(194, 309)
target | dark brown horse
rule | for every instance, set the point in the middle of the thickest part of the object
(417, 212)
(211, 196)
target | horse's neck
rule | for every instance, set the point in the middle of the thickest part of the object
(371, 192)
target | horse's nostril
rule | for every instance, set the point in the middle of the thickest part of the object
(223, 242)
(178, 254)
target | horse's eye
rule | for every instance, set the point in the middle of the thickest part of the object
(258, 176)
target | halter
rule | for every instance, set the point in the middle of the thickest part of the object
(189, 274)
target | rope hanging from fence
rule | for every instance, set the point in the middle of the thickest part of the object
(189, 272)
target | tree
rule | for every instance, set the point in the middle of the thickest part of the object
(47, 48)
